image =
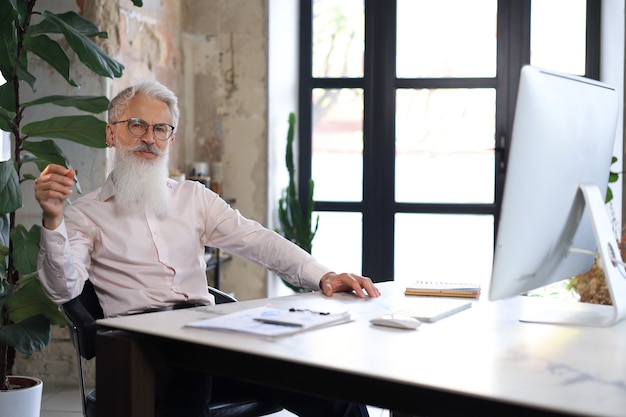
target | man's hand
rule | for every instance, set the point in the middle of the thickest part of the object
(52, 187)
(332, 283)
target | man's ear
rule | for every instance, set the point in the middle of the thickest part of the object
(110, 137)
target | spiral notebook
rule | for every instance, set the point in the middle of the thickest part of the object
(444, 289)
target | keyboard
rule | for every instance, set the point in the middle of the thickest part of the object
(431, 309)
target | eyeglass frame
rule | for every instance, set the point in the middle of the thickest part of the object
(148, 126)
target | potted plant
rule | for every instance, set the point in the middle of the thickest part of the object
(591, 286)
(25, 312)
(295, 214)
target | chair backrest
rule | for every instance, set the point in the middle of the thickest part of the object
(81, 314)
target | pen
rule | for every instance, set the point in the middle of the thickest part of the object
(321, 313)
(278, 322)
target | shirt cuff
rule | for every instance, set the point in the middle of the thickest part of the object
(54, 240)
(313, 273)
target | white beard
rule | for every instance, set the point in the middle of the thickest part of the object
(141, 184)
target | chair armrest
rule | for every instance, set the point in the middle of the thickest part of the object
(221, 297)
(83, 327)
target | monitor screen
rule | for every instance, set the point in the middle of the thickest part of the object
(563, 136)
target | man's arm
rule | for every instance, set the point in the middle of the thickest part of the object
(57, 270)
(52, 187)
(250, 240)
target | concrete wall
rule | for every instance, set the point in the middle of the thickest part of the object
(213, 54)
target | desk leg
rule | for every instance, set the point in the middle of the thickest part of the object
(124, 377)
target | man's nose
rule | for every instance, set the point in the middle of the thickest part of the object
(148, 137)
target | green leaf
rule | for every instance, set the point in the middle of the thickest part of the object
(88, 52)
(7, 98)
(46, 152)
(23, 74)
(73, 19)
(12, 64)
(25, 248)
(8, 41)
(92, 104)
(29, 300)
(10, 193)
(6, 120)
(51, 52)
(86, 130)
(28, 336)
(6, 289)
(138, 3)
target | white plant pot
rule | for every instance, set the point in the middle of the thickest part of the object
(22, 402)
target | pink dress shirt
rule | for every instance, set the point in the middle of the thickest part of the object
(139, 262)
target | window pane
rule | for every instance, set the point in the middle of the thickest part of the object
(446, 38)
(443, 247)
(5, 146)
(445, 145)
(338, 241)
(558, 35)
(338, 38)
(5, 138)
(337, 154)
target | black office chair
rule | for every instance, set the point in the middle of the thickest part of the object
(81, 314)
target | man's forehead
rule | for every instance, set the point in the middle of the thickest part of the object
(141, 106)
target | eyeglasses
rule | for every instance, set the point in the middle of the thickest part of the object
(139, 127)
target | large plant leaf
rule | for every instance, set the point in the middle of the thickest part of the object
(51, 52)
(25, 248)
(88, 52)
(6, 290)
(29, 300)
(45, 152)
(7, 98)
(10, 63)
(6, 120)
(10, 193)
(21, 9)
(8, 40)
(28, 336)
(4, 244)
(73, 19)
(92, 104)
(86, 130)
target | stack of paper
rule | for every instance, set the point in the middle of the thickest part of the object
(272, 321)
(446, 289)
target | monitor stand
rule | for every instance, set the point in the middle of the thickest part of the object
(585, 314)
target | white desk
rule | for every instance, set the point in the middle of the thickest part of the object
(478, 362)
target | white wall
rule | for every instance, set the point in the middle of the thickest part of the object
(282, 99)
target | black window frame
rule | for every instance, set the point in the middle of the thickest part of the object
(379, 84)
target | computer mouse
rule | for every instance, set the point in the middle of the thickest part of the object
(398, 321)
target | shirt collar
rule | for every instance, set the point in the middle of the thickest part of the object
(108, 189)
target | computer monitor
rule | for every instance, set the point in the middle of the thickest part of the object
(553, 218)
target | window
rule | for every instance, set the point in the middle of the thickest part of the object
(405, 112)
(5, 139)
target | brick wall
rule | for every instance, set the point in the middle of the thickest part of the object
(213, 54)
